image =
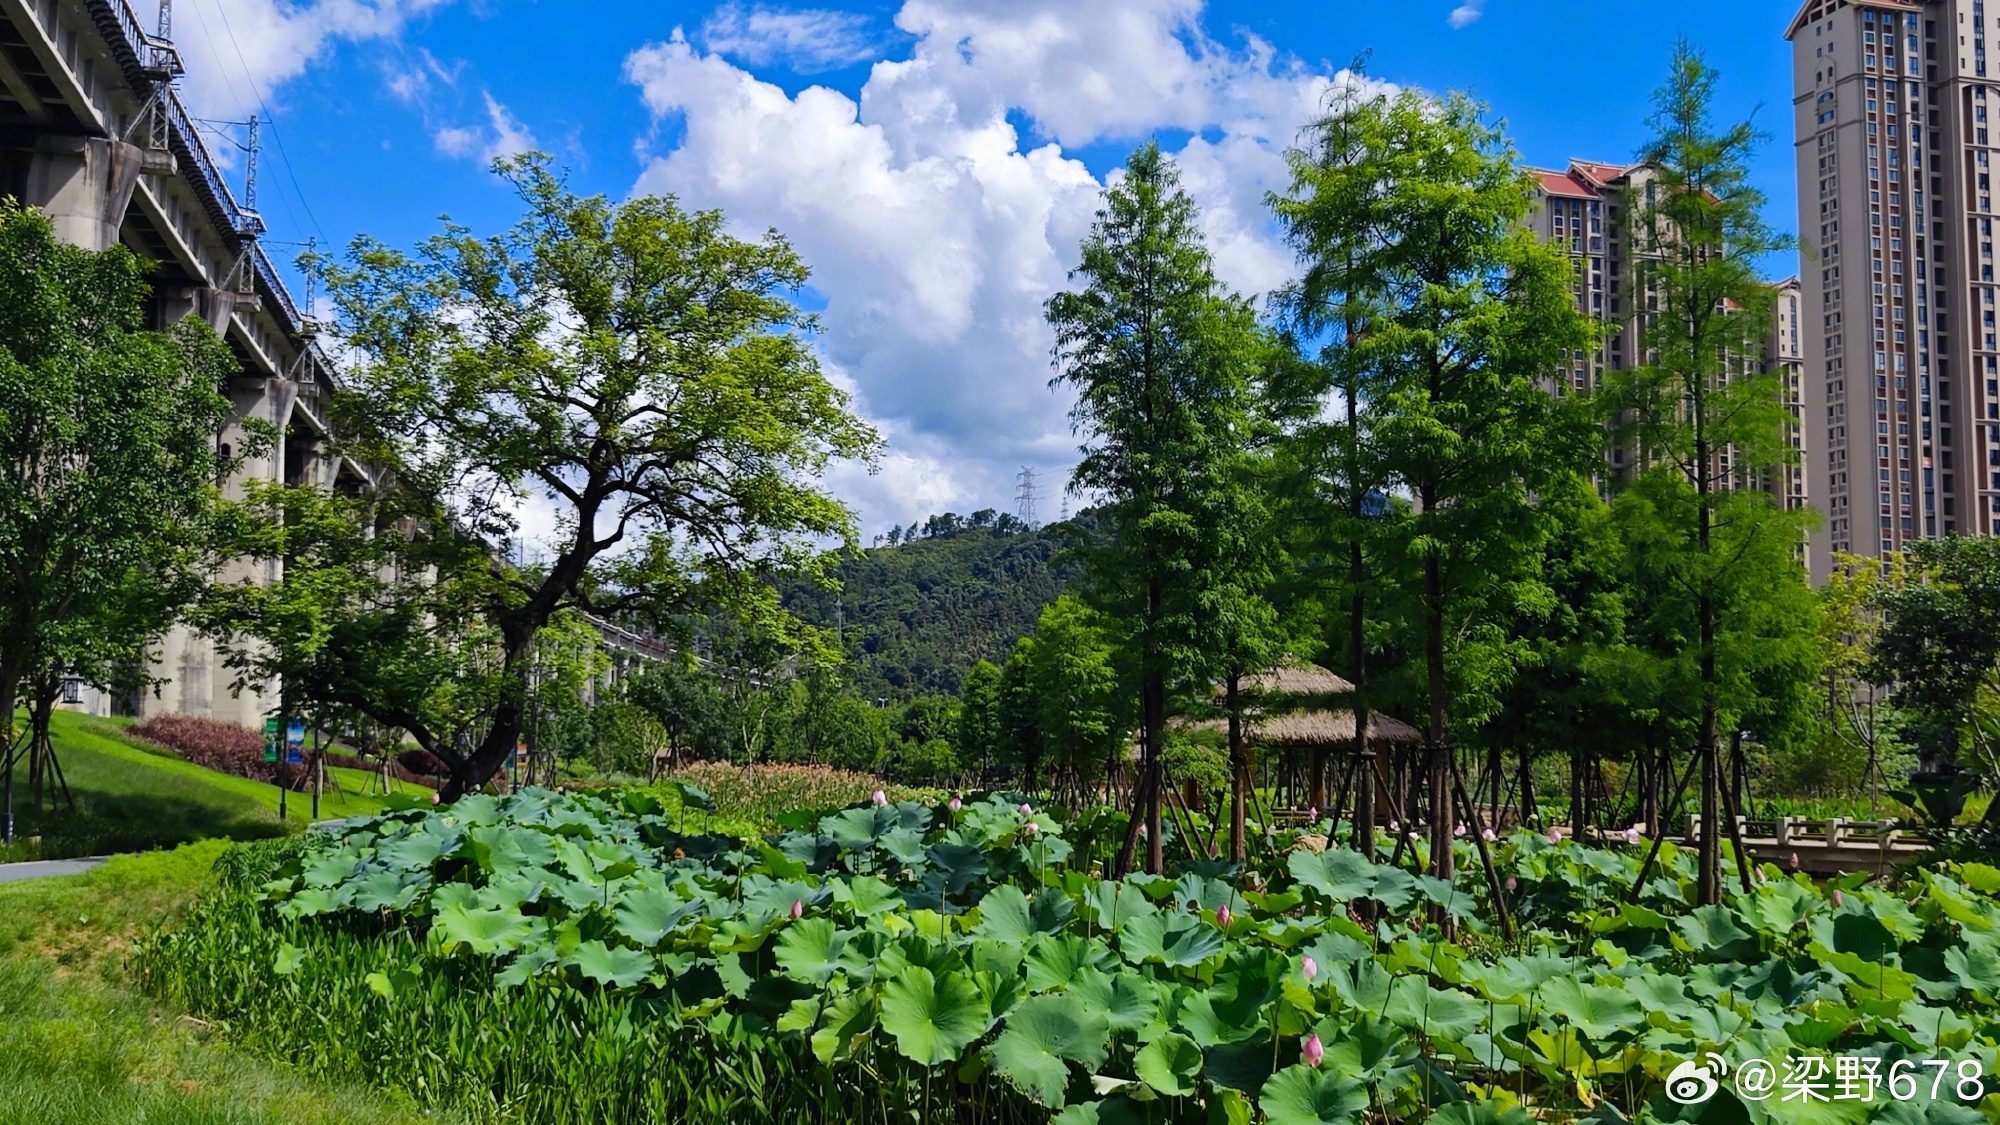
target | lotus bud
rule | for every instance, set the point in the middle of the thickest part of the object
(1487, 835)
(1459, 831)
(1309, 967)
(1312, 814)
(1026, 810)
(1394, 827)
(1632, 835)
(1222, 915)
(1313, 1051)
(798, 908)
(955, 806)
(1555, 837)
(1511, 883)
(1836, 898)
(1795, 861)
(880, 798)
(1031, 828)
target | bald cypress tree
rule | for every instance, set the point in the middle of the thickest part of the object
(1163, 359)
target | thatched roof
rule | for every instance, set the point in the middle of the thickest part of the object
(1315, 728)
(1290, 678)
(1291, 705)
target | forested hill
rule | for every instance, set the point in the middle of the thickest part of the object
(918, 612)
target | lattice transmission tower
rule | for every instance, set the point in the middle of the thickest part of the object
(1026, 493)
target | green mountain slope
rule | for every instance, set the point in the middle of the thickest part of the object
(916, 616)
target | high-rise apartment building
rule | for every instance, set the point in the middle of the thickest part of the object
(1892, 100)
(1579, 209)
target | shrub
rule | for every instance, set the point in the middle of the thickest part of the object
(423, 762)
(763, 792)
(209, 743)
(921, 763)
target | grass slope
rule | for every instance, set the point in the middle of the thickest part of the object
(133, 798)
(77, 1045)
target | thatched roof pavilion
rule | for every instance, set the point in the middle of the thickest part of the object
(1291, 705)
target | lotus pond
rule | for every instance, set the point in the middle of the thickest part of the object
(557, 958)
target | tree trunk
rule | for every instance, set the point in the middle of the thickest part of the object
(1437, 749)
(1239, 768)
(1496, 771)
(1709, 885)
(1576, 790)
(1527, 786)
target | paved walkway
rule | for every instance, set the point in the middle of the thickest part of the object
(47, 868)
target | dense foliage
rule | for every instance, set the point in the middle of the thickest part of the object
(578, 958)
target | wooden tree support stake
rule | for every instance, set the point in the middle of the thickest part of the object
(1479, 841)
(1659, 837)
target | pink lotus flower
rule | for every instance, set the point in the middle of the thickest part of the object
(954, 804)
(1026, 810)
(1312, 814)
(798, 908)
(1459, 831)
(1313, 1051)
(1487, 835)
(880, 798)
(1309, 967)
(1555, 837)
(1222, 915)
(1632, 835)
(1031, 828)
(1795, 861)
(1836, 898)
(1511, 883)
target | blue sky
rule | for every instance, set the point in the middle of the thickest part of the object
(935, 160)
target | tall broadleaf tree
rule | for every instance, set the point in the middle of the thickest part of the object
(634, 367)
(108, 460)
(1331, 215)
(1699, 416)
(1162, 358)
(1473, 316)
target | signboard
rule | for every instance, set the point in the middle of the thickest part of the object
(270, 739)
(295, 741)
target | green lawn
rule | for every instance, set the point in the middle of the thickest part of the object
(79, 1045)
(132, 798)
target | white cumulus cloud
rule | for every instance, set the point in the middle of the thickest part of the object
(807, 40)
(238, 52)
(937, 231)
(1466, 14)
